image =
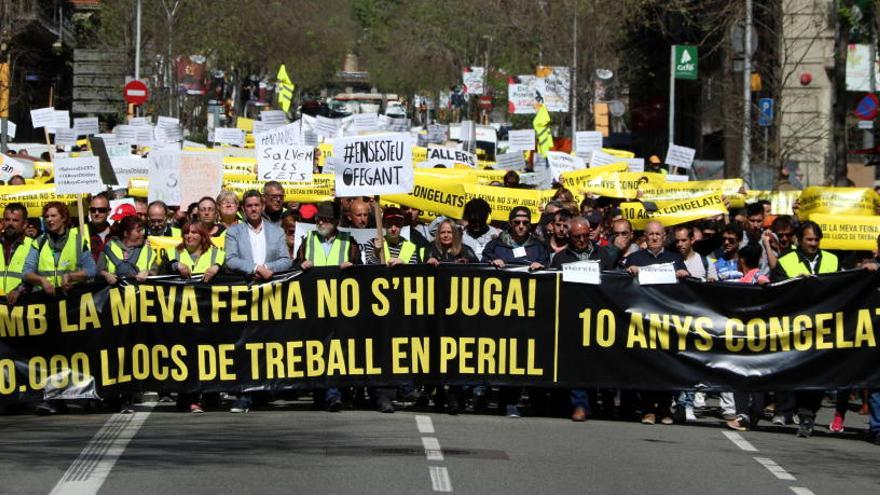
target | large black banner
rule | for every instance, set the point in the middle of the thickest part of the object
(452, 324)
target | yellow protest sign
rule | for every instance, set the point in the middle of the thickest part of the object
(781, 202)
(674, 212)
(619, 153)
(504, 199)
(245, 124)
(33, 197)
(138, 187)
(419, 154)
(848, 233)
(573, 181)
(325, 150)
(430, 194)
(160, 243)
(322, 188)
(238, 176)
(731, 188)
(487, 176)
(625, 185)
(859, 201)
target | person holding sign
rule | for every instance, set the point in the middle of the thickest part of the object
(127, 254)
(60, 257)
(326, 246)
(398, 250)
(16, 247)
(196, 255)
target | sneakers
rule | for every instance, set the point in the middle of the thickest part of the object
(511, 411)
(649, 419)
(196, 408)
(689, 416)
(45, 408)
(805, 430)
(579, 415)
(240, 406)
(700, 400)
(738, 424)
(126, 408)
(778, 420)
(836, 425)
(334, 404)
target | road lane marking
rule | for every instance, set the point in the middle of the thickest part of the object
(425, 424)
(440, 481)
(774, 468)
(739, 441)
(91, 468)
(799, 490)
(432, 449)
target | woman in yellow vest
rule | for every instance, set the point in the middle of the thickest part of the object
(128, 254)
(196, 255)
(60, 257)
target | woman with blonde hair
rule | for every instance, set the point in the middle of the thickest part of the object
(447, 246)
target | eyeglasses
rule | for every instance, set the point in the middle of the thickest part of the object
(580, 236)
(731, 240)
(784, 234)
(157, 221)
(520, 222)
(95, 209)
(275, 197)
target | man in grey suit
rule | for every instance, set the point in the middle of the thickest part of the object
(258, 250)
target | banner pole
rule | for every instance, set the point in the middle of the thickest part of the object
(379, 234)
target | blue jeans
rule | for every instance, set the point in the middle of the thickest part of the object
(874, 418)
(579, 398)
(332, 393)
(685, 398)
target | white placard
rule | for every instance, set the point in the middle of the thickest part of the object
(229, 135)
(192, 144)
(43, 117)
(65, 137)
(273, 118)
(109, 138)
(81, 175)
(366, 122)
(472, 79)
(285, 162)
(676, 178)
(10, 167)
(10, 129)
(448, 157)
(138, 121)
(128, 166)
(663, 273)
(599, 158)
(164, 177)
(167, 122)
(144, 135)
(60, 120)
(521, 140)
(582, 272)
(371, 165)
(587, 141)
(680, 156)
(86, 126)
(126, 134)
(326, 128)
(286, 135)
(168, 134)
(635, 164)
(510, 161)
(561, 162)
(201, 174)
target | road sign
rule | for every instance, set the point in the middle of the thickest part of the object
(765, 112)
(135, 92)
(867, 107)
(685, 62)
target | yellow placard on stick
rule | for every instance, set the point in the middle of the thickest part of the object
(503, 199)
(857, 201)
(674, 212)
(34, 196)
(848, 233)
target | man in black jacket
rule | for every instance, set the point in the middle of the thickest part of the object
(581, 248)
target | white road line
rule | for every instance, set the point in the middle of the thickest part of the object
(425, 424)
(739, 441)
(774, 468)
(440, 481)
(91, 468)
(799, 490)
(432, 449)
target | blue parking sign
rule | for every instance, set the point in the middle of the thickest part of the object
(765, 112)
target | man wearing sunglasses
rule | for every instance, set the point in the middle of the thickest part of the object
(727, 261)
(99, 227)
(517, 245)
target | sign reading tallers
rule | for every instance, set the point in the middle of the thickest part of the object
(373, 165)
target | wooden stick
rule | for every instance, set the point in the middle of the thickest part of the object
(379, 231)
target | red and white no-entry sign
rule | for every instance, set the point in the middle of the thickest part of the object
(135, 92)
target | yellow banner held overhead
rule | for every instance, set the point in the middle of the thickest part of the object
(452, 174)
(322, 188)
(859, 201)
(504, 199)
(848, 233)
(781, 202)
(430, 194)
(624, 185)
(619, 153)
(34, 197)
(674, 212)
(732, 189)
(325, 150)
(573, 181)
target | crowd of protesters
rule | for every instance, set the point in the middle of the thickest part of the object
(749, 245)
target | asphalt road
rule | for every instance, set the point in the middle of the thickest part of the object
(288, 448)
